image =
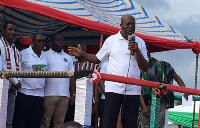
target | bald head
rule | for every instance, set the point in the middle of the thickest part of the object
(127, 25)
(125, 17)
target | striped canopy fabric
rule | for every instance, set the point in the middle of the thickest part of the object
(82, 21)
(110, 12)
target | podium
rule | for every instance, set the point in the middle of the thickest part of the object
(83, 102)
(4, 86)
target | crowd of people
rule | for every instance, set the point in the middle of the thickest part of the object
(49, 102)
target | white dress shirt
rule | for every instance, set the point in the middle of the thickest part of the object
(121, 63)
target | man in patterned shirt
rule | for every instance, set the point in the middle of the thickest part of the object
(158, 72)
(80, 65)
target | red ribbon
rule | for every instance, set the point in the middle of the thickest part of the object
(196, 48)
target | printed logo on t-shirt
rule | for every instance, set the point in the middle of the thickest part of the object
(39, 67)
(65, 59)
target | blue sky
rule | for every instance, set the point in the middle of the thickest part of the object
(184, 16)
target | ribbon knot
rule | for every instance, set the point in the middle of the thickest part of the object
(161, 90)
(196, 48)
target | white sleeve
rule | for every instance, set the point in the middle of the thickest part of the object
(104, 65)
(106, 48)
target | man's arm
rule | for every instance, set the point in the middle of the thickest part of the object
(142, 62)
(73, 51)
(145, 110)
(102, 86)
(95, 92)
(178, 79)
(72, 91)
(180, 82)
(90, 57)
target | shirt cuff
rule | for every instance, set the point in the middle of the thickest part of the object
(14, 81)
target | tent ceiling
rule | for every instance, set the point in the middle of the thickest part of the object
(29, 23)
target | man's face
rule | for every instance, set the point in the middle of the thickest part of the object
(58, 42)
(10, 32)
(39, 42)
(127, 25)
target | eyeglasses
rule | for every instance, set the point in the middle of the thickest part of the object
(40, 40)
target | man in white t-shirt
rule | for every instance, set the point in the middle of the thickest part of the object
(30, 97)
(57, 90)
(121, 63)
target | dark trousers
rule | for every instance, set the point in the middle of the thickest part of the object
(130, 109)
(102, 101)
(28, 111)
(70, 113)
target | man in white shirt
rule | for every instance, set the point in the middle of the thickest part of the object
(122, 63)
(57, 90)
(10, 62)
(30, 97)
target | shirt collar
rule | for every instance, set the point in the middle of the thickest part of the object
(30, 50)
(56, 52)
(120, 36)
(12, 44)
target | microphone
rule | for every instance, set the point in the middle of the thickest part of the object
(131, 38)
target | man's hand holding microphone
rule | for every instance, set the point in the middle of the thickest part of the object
(132, 45)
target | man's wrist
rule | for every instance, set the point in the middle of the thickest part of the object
(83, 54)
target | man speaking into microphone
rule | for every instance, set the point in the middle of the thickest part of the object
(121, 62)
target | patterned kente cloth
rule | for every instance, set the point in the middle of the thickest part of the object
(155, 73)
(168, 71)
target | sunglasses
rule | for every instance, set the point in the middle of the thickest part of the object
(40, 40)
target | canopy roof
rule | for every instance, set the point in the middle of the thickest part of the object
(90, 18)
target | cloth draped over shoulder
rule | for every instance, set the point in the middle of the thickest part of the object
(154, 73)
(4, 45)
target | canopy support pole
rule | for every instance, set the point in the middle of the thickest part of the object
(101, 41)
(196, 71)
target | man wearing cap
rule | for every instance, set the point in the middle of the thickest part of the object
(23, 43)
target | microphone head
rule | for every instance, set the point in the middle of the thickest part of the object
(131, 37)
